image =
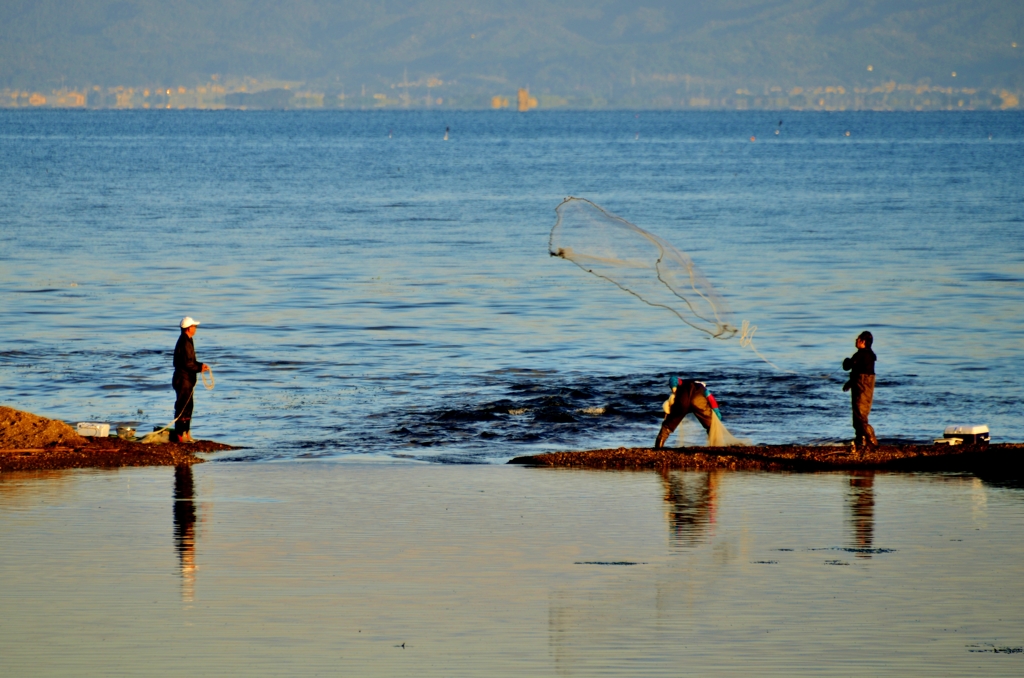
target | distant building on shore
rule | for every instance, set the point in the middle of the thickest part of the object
(661, 93)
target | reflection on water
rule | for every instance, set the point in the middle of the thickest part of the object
(691, 499)
(431, 570)
(861, 501)
(185, 529)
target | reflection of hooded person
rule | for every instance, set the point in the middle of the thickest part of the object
(861, 385)
(687, 396)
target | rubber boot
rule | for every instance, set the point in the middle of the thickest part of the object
(663, 435)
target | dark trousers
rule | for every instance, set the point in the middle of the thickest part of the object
(862, 392)
(183, 410)
(692, 399)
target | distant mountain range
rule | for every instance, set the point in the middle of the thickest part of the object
(587, 53)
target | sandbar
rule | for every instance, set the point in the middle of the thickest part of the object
(1000, 458)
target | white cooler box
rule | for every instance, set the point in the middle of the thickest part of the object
(93, 430)
(964, 435)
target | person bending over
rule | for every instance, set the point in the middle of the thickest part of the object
(861, 366)
(186, 367)
(688, 396)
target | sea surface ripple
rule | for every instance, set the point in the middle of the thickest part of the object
(367, 288)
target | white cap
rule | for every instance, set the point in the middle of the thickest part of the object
(187, 322)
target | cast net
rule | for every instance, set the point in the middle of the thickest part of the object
(644, 265)
(639, 263)
(719, 436)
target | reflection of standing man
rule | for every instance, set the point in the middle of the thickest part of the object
(184, 380)
(861, 385)
(185, 527)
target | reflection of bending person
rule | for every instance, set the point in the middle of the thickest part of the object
(688, 396)
(692, 499)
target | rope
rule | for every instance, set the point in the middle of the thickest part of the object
(209, 387)
(208, 384)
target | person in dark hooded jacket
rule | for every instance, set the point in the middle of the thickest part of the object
(186, 367)
(861, 385)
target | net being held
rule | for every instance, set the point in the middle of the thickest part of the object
(640, 263)
(719, 436)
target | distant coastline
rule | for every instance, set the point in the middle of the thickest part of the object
(251, 94)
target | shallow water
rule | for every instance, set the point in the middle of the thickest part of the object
(399, 569)
(366, 294)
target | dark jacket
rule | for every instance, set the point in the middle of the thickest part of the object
(186, 367)
(862, 362)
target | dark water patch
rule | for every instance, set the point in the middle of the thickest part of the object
(996, 649)
(458, 459)
(236, 458)
(764, 562)
(607, 562)
(561, 410)
(849, 549)
(467, 415)
(836, 562)
(1012, 479)
(553, 415)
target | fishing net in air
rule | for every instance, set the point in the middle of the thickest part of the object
(644, 265)
(639, 263)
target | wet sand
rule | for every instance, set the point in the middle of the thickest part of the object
(1001, 458)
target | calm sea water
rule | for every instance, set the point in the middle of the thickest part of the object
(399, 569)
(367, 288)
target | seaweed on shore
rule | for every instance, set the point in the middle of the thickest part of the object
(106, 453)
(1002, 459)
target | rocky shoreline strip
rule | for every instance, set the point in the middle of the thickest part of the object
(30, 443)
(1005, 458)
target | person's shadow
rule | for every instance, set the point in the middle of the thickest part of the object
(185, 528)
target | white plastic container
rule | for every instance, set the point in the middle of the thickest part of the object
(93, 430)
(964, 435)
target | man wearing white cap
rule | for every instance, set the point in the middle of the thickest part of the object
(186, 367)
